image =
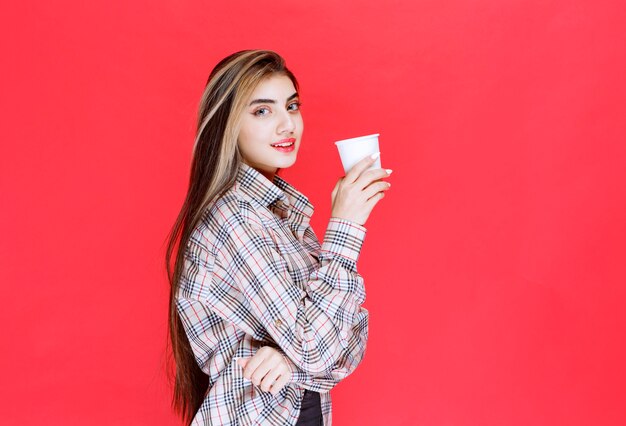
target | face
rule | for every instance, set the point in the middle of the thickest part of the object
(271, 126)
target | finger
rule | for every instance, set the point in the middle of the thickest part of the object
(269, 363)
(375, 199)
(370, 176)
(243, 361)
(252, 365)
(270, 378)
(279, 384)
(375, 187)
(259, 374)
(361, 166)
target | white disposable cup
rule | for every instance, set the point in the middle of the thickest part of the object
(354, 150)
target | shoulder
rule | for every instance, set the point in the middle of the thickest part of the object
(228, 214)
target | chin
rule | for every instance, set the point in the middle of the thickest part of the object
(286, 160)
(286, 163)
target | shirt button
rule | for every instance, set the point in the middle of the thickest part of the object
(278, 323)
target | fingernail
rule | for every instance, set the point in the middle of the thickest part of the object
(375, 155)
(389, 171)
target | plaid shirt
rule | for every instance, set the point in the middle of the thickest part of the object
(255, 275)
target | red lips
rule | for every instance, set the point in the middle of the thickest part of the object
(288, 140)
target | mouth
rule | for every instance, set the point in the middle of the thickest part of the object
(286, 145)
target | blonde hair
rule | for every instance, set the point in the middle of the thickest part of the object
(214, 165)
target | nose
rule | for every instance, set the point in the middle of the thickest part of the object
(286, 124)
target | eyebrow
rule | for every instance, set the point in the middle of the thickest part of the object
(271, 101)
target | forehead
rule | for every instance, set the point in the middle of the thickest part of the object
(275, 86)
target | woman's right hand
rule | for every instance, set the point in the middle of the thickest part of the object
(356, 194)
(268, 368)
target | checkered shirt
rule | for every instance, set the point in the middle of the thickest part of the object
(255, 275)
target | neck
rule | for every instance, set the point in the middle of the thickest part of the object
(268, 175)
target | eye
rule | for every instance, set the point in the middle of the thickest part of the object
(259, 112)
(294, 106)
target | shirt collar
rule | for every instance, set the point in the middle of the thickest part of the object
(278, 192)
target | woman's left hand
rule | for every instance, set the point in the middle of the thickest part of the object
(267, 368)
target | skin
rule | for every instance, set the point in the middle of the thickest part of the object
(353, 197)
(267, 368)
(356, 194)
(270, 122)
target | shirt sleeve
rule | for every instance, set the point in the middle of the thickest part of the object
(321, 329)
(343, 367)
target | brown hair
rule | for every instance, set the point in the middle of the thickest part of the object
(215, 161)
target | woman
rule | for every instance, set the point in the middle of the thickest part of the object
(264, 320)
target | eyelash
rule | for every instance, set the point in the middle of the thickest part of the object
(299, 104)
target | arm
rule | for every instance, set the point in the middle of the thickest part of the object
(344, 366)
(323, 330)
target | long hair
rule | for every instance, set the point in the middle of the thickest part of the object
(214, 165)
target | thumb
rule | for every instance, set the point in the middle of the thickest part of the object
(243, 361)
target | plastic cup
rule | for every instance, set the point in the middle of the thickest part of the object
(354, 150)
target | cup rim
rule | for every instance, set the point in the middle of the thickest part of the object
(355, 139)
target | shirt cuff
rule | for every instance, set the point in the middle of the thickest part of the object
(343, 238)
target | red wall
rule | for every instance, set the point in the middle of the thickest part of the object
(495, 267)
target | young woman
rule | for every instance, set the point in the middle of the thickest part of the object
(264, 321)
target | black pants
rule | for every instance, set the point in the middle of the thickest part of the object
(311, 410)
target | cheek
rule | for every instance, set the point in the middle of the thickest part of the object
(253, 142)
(255, 130)
(248, 136)
(299, 124)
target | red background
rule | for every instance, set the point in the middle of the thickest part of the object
(495, 267)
